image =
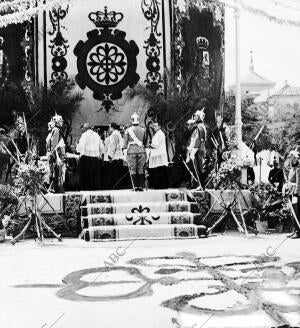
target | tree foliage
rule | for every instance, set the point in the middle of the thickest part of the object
(39, 106)
(254, 116)
(175, 107)
(59, 99)
(12, 97)
(282, 126)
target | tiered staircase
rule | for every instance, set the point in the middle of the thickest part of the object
(124, 215)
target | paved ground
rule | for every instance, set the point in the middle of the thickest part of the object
(223, 281)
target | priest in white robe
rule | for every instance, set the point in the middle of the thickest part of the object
(90, 148)
(158, 159)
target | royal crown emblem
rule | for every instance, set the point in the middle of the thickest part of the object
(202, 43)
(106, 19)
(106, 62)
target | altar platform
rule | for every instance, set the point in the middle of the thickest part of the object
(125, 214)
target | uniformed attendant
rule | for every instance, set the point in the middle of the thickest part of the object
(20, 132)
(56, 152)
(106, 171)
(115, 154)
(220, 140)
(197, 148)
(292, 188)
(191, 126)
(134, 143)
(276, 176)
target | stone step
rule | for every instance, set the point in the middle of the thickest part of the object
(133, 232)
(138, 208)
(128, 196)
(140, 219)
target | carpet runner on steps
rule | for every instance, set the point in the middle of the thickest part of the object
(124, 215)
(125, 232)
(64, 213)
(138, 207)
(137, 219)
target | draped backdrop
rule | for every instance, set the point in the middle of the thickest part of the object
(109, 50)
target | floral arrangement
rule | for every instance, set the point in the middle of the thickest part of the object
(8, 201)
(228, 176)
(30, 178)
(7, 196)
(271, 205)
(265, 191)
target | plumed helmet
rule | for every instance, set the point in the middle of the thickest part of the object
(200, 112)
(294, 153)
(57, 118)
(135, 119)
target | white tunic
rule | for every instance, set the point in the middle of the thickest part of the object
(158, 155)
(90, 144)
(114, 147)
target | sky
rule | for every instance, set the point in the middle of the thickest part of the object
(276, 48)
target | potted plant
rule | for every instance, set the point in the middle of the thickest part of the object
(271, 208)
(286, 221)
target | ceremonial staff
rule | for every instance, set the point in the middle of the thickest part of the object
(291, 206)
(253, 143)
(188, 169)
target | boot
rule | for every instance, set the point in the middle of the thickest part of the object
(295, 235)
(141, 182)
(135, 182)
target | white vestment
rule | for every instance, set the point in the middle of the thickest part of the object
(90, 144)
(158, 155)
(114, 147)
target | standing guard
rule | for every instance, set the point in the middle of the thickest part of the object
(292, 189)
(134, 142)
(20, 132)
(56, 152)
(219, 139)
(191, 126)
(197, 149)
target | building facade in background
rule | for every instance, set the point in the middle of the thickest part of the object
(253, 84)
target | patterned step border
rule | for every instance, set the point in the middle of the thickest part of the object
(163, 231)
(126, 196)
(141, 208)
(140, 219)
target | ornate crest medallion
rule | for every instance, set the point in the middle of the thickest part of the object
(106, 62)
